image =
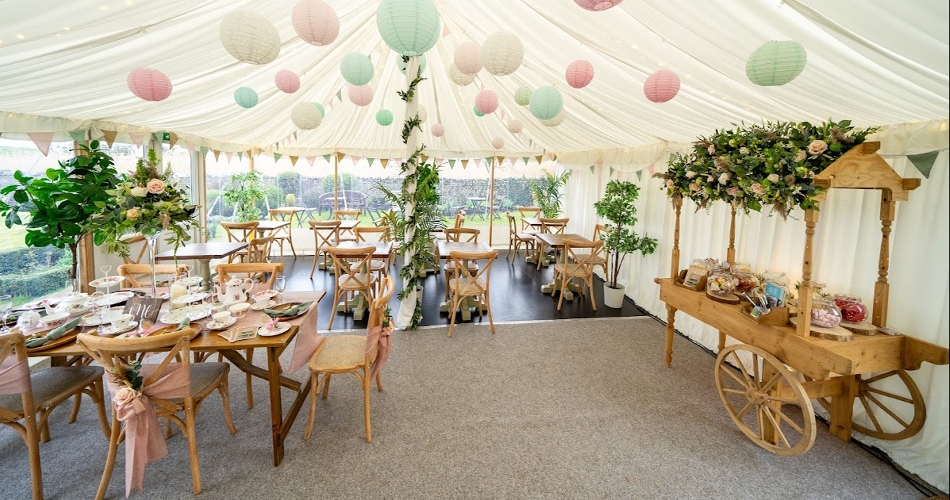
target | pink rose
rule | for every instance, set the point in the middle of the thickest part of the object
(800, 155)
(155, 186)
(817, 147)
(693, 187)
(133, 213)
(757, 188)
(124, 396)
(670, 184)
(732, 191)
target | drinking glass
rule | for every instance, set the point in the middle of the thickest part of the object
(6, 304)
(280, 283)
(99, 307)
(72, 286)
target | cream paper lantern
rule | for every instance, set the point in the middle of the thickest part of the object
(438, 130)
(306, 116)
(315, 21)
(497, 143)
(515, 126)
(422, 114)
(458, 77)
(557, 120)
(361, 95)
(502, 53)
(249, 37)
(468, 58)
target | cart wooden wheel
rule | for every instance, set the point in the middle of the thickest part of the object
(893, 404)
(769, 405)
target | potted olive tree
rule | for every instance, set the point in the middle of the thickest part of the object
(617, 206)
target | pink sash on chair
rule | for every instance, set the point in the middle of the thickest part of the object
(144, 442)
(379, 338)
(14, 376)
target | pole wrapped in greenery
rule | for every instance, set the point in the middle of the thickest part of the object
(618, 207)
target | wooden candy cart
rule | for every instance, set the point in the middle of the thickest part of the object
(769, 402)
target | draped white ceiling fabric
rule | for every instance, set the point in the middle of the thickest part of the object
(63, 67)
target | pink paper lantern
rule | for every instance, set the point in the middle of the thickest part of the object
(287, 81)
(438, 130)
(661, 86)
(579, 73)
(596, 5)
(315, 22)
(149, 84)
(468, 58)
(497, 143)
(361, 95)
(486, 101)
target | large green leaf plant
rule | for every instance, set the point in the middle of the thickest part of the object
(546, 192)
(618, 207)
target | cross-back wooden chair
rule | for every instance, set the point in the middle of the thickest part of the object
(600, 261)
(258, 249)
(326, 234)
(351, 267)
(459, 234)
(349, 214)
(553, 226)
(578, 262)
(27, 398)
(528, 212)
(373, 234)
(139, 275)
(173, 385)
(467, 283)
(361, 355)
(135, 256)
(285, 233)
(242, 232)
(516, 239)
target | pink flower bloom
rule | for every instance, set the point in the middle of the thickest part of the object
(670, 183)
(724, 178)
(757, 188)
(817, 147)
(732, 191)
(156, 186)
(800, 155)
(133, 213)
(124, 396)
(711, 149)
(693, 187)
(773, 178)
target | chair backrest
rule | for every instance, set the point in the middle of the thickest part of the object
(351, 265)
(528, 212)
(554, 226)
(371, 233)
(346, 214)
(134, 272)
(583, 253)
(134, 239)
(266, 272)
(326, 233)
(240, 231)
(459, 219)
(462, 234)
(464, 272)
(282, 214)
(512, 225)
(377, 310)
(15, 378)
(599, 230)
(258, 249)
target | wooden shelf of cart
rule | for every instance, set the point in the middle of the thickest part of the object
(866, 368)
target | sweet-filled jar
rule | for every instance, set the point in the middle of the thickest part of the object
(852, 310)
(721, 282)
(825, 313)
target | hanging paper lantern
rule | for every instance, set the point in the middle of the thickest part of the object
(384, 117)
(502, 53)
(323, 112)
(523, 96)
(422, 113)
(497, 143)
(458, 77)
(546, 103)
(402, 64)
(596, 5)
(306, 116)
(776, 63)
(245, 97)
(661, 86)
(468, 58)
(579, 73)
(409, 27)
(356, 68)
(287, 81)
(361, 95)
(557, 120)
(478, 112)
(486, 101)
(249, 37)
(515, 126)
(315, 22)
(149, 84)
(438, 130)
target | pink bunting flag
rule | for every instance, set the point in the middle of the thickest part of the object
(445, 30)
(189, 146)
(311, 159)
(138, 137)
(651, 168)
(42, 141)
(355, 159)
(228, 156)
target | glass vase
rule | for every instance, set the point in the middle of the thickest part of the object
(152, 239)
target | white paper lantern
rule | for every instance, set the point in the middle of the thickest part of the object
(458, 77)
(557, 120)
(497, 143)
(468, 58)
(422, 113)
(306, 116)
(502, 53)
(515, 126)
(249, 37)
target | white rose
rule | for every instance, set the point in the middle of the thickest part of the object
(724, 178)
(744, 150)
(690, 174)
(817, 147)
(773, 178)
(139, 191)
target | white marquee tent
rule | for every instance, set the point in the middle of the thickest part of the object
(63, 68)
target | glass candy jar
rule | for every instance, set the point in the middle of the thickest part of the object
(721, 282)
(825, 313)
(852, 310)
(745, 281)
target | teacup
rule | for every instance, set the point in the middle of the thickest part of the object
(221, 317)
(55, 319)
(261, 300)
(239, 310)
(121, 322)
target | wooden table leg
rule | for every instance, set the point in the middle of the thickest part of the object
(670, 316)
(842, 408)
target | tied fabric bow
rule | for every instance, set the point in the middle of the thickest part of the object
(379, 338)
(14, 376)
(144, 442)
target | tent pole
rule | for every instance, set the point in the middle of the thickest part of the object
(336, 181)
(491, 200)
(410, 299)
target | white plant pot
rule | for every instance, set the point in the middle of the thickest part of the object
(613, 297)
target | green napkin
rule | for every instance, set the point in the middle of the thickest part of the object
(289, 312)
(185, 323)
(54, 333)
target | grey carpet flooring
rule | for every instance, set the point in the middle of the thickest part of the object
(563, 409)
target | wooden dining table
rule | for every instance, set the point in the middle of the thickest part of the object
(557, 241)
(303, 328)
(203, 253)
(444, 249)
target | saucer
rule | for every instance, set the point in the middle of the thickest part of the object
(191, 281)
(110, 330)
(279, 328)
(92, 319)
(214, 325)
(107, 282)
(190, 298)
(193, 313)
(257, 307)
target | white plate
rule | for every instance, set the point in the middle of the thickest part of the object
(279, 328)
(73, 308)
(92, 320)
(191, 298)
(255, 306)
(115, 298)
(193, 313)
(106, 282)
(109, 330)
(191, 281)
(214, 325)
(269, 293)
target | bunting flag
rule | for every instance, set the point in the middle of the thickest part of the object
(611, 174)
(158, 136)
(190, 147)
(355, 159)
(502, 112)
(217, 154)
(339, 156)
(240, 155)
(110, 136)
(465, 163)
(600, 163)
(326, 158)
(370, 161)
(172, 139)
(651, 168)
(228, 156)
(78, 135)
(591, 169)
(924, 162)
(525, 160)
(138, 137)
(530, 142)
(445, 30)
(311, 159)
(330, 104)
(451, 162)
(295, 135)
(339, 95)
(293, 160)
(42, 141)
(277, 157)
(384, 162)
(425, 158)
(538, 158)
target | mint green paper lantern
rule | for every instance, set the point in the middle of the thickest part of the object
(545, 103)
(776, 63)
(245, 97)
(523, 96)
(356, 68)
(402, 64)
(409, 27)
(323, 112)
(478, 112)
(384, 117)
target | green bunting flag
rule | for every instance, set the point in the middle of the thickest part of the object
(239, 153)
(451, 162)
(639, 175)
(277, 156)
(924, 162)
(339, 94)
(326, 157)
(295, 135)
(611, 171)
(369, 161)
(78, 135)
(591, 169)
